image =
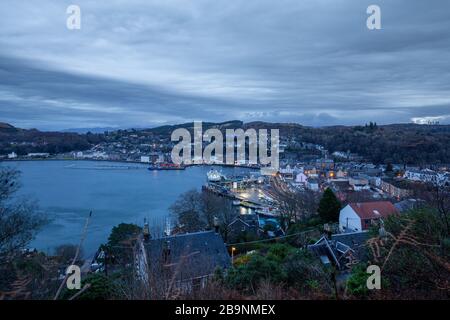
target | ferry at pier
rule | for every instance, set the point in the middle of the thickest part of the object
(214, 175)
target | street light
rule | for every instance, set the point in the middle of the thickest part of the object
(233, 249)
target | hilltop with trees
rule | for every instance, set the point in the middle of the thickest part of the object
(381, 144)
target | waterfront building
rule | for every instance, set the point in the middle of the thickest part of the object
(145, 159)
(12, 155)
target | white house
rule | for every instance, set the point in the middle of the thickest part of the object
(301, 178)
(145, 159)
(78, 154)
(12, 155)
(360, 216)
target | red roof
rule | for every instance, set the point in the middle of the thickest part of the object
(373, 210)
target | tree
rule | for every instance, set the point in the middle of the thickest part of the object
(66, 252)
(211, 205)
(437, 197)
(101, 288)
(413, 256)
(329, 206)
(389, 167)
(294, 206)
(441, 201)
(19, 218)
(357, 282)
(188, 211)
(226, 214)
(120, 242)
(196, 211)
(123, 232)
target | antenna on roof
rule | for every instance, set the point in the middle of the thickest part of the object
(168, 229)
(382, 232)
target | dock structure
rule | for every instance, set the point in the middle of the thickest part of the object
(244, 192)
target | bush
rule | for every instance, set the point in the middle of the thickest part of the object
(248, 276)
(102, 288)
(305, 272)
(66, 252)
(357, 283)
(279, 251)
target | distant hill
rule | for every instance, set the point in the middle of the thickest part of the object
(91, 130)
(6, 127)
(168, 129)
(394, 143)
(24, 141)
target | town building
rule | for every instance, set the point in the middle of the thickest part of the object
(312, 184)
(425, 175)
(359, 183)
(394, 189)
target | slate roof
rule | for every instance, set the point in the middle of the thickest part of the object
(351, 239)
(342, 247)
(355, 240)
(408, 204)
(340, 185)
(187, 256)
(334, 251)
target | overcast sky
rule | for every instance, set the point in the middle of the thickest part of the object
(145, 63)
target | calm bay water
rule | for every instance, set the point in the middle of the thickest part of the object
(68, 190)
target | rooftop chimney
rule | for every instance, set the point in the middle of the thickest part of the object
(166, 251)
(216, 224)
(146, 231)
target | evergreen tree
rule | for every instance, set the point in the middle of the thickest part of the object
(329, 207)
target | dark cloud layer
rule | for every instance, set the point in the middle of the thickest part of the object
(139, 63)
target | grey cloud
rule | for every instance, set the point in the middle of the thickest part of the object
(149, 62)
